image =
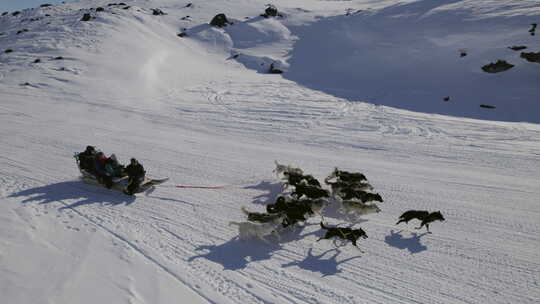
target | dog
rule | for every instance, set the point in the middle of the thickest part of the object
(295, 210)
(260, 217)
(345, 176)
(344, 233)
(338, 186)
(424, 216)
(348, 194)
(312, 192)
(281, 169)
(247, 230)
(358, 208)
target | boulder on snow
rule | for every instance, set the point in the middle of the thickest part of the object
(7, 51)
(531, 57)
(499, 66)
(271, 11)
(86, 17)
(220, 20)
(517, 47)
(157, 12)
(15, 13)
(5, 13)
(181, 35)
(487, 106)
(37, 60)
(100, 9)
(532, 31)
(22, 31)
(45, 5)
(273, 70)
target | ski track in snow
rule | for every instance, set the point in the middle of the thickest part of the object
(225, 127)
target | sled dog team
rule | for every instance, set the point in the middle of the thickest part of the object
(308, 199)
(107, 169)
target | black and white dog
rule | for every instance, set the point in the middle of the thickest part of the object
(422, 215)
(343, 233)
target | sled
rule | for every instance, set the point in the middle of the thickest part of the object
(119, 183)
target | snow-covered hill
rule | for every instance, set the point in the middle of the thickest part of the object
(203, 110)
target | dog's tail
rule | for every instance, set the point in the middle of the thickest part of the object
(234, 223)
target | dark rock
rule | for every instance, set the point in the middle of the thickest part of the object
(25, 84)
(37, 60)
(185, 18)
(517, 47)
(7, 51)
(220, 20)
(189, 5)
(127, 7)
(122, 3)
(22, 31)
(15, 13)
(270, 11)
(182, 34)
(462, 54)
(2, 34)
(47, 15)
(157, 12)
(531, 57)
(86, 17)
(273, 70)
(532, 31)
(112, 4)
(5, 13)
(487, 106)
(58, 58)
(447, 98)
(45, 5)
(499, 66)
(100, 9)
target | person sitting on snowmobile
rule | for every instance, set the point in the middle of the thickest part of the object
(136, 173)
(87, 159)
(113, 168)
(100, 171)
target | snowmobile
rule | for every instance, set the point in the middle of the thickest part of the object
(118, 183)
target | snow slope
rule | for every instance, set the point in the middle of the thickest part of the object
(190, 111)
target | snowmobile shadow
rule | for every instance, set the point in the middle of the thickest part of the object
(273, 190)
(412, 244)
(66, 192)
(237, 254)
(317, 263)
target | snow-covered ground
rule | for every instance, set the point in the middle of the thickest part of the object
(190, 109)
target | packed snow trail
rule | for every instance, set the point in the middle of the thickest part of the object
(188, 113)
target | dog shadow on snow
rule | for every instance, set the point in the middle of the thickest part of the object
(412, 244)
(237, 254)
(271, 191)
(322, 263)
(67, 192)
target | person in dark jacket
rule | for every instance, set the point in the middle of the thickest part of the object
(136, 173)
(100, 171)
(87, 159)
